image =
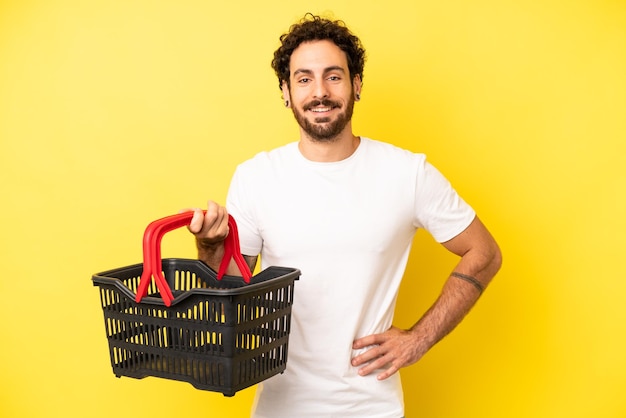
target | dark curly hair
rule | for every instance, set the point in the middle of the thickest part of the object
(316, 28)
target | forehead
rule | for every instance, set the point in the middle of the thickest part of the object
(317, 56)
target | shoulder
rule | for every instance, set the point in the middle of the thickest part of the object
(391, 154)
(269, 159)
(373, 145)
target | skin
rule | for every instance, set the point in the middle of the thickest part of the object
(319, 71)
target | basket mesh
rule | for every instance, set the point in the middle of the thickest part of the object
(220, 336)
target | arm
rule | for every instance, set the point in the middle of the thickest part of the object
(210, 230)
(396, 348)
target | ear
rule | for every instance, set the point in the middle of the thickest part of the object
(357, 85)
(286, 95)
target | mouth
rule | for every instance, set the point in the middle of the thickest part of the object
(320, 107)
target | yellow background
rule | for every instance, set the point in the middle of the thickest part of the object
(116, 113)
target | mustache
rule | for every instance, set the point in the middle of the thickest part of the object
(325, 103)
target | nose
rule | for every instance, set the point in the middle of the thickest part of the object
(320, 91)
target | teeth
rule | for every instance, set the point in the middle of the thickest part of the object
(321, 109)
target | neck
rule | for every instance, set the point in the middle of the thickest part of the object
(332, 150)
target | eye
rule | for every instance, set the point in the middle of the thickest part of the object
(304, 80)
(334, 78)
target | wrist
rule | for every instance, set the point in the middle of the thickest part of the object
(209, 245)
(210, 252)
(422, 340)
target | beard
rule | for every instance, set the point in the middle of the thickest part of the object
(323, 129)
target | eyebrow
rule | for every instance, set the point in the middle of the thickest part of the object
(326, 70)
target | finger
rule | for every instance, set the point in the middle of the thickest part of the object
(214, 214)
(367, 341)
(195, 224)
(216, 220)
(197, 221)
(385, 362)
(387, 372)
(367, 356)
(376, 364)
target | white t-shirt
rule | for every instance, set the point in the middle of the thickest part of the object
(348, 226)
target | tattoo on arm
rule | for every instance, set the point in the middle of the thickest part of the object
(469, 279)
(251, 260)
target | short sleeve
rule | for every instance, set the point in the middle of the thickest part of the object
(438, 207)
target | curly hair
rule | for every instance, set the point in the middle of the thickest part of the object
(316, 28)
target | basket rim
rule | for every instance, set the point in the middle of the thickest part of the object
(284, 274)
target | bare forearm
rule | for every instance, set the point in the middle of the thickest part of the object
(459, 294)
(212, 254)
(452, 305)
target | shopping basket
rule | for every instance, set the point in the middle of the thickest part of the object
(178, 319)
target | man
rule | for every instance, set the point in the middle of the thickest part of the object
(344, 210)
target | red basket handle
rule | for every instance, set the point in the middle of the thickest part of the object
(152, 254)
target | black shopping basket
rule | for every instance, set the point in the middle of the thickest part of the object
(191, 324)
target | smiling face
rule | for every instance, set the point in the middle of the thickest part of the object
(321, 92)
